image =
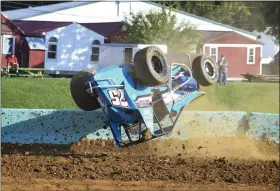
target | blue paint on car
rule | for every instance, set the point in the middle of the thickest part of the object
(127, 104)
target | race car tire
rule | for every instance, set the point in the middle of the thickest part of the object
(205, 70)
(78, 90)
(151, 67)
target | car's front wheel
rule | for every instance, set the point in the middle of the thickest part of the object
(78, 90)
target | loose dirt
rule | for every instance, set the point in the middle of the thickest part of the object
(217, 164)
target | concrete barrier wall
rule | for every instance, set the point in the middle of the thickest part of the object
(263, 125)
(195, 124)
(68, 126)
(51, 126)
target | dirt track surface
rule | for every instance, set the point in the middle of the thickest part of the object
(216, 164)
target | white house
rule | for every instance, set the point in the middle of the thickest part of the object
(72, 47)
(270, 47)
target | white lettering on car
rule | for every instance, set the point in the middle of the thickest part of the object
(117, 97)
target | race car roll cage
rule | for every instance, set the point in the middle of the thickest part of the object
(126, 127)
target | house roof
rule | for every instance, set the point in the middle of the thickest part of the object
(207, 36)
(5, 29)
(107, 29)
(38, 27)
(210, 36)
(36, 43)
(40, 10)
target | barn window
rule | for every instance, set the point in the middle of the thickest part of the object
(213, 54)
(250, 55)
(95, 51)
(8, 44)
(52, 48)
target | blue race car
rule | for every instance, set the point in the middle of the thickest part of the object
(142, 100)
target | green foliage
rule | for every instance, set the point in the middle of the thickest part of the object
(271, 17)
(55, 94)
(231, 13)
(247, 15)
(160, 28)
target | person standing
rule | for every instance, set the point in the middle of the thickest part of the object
(223, 69)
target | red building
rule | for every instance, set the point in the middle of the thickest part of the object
(32, 52)
(243, 54)
(10, 40)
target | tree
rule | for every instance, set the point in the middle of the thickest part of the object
(249, 16)
(160, 28)
(231, 13)
(270, 14)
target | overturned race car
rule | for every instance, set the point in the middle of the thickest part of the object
(142, 100)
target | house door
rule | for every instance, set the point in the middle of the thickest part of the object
(67, 56)
(24, 59)
(128, 56)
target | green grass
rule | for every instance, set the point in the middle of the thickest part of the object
(239, 96)
(35, 93)
(55, 94)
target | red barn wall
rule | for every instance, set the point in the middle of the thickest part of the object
(237, 61)
(15, 32)
(24, 54)
(236, 56)
(4, 59)
(36, 58)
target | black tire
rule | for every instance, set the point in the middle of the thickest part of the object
(78, 90)
(151, 67)
(205, 70)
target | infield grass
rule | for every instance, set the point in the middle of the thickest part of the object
(54, 93)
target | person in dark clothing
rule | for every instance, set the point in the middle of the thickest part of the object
(223, 69)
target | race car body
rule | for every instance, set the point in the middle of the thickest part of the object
(141, 100)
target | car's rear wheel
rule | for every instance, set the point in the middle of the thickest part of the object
(205, 70)
(151, 67)
(78, 90)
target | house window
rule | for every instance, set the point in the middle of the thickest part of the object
(213, 54)
(8, 44)
(95, 51)
(52, 48)
(250, 55)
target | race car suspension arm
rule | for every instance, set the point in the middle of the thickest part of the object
(91, 87)
(125, 126)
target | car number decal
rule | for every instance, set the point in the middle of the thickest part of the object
(117, 97)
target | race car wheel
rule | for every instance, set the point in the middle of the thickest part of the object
(205, 70)
(151, 67)
(78, 90)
